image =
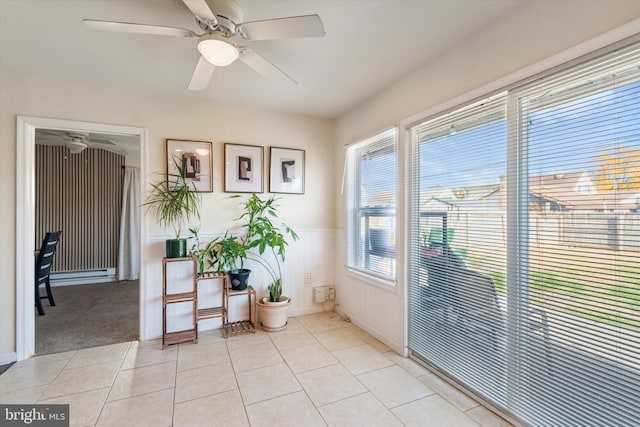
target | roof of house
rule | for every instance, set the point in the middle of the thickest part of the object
(577, 191)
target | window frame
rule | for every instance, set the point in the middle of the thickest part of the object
(517, 192)
(355, 252)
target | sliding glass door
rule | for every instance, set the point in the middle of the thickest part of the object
(458, 264)
(524, 282)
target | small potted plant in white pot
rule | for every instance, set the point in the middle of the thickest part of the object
(175, 202)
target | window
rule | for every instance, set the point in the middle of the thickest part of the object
(458, 231)
(371, 193)
(524, 281)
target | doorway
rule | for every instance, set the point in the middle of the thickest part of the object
(25, 217)
(87, 187)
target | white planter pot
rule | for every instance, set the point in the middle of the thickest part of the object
(273, 315)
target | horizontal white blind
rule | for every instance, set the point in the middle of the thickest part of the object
(458, 245)
(581, 263)
(371, 198)
(556, 343)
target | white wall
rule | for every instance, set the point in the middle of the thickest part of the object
(132, 159)
(312, 213)
(530, 33)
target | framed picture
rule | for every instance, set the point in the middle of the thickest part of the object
(243, 170)
(286, 170)
(197, 158)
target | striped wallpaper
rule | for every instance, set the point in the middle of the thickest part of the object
(80, 194)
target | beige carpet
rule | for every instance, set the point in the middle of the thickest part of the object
(88, 316)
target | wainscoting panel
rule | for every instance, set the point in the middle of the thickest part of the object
(80, 194)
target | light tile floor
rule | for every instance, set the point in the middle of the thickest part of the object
(320, 371)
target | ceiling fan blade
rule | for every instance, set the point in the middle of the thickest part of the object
(283, 28)
(264, 67)
(200, 8)
(101, 141)
(57, 134)
(127, 27)
(201, 75)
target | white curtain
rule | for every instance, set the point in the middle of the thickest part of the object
(129, 247)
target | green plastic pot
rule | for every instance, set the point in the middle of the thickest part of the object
(176, 248)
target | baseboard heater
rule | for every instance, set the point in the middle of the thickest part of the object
(82, 277)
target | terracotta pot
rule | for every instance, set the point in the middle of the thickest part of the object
(273, 315)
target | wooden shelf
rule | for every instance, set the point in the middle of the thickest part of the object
(248, 290)
(209, 275)
(181, 297)
(211, 313)
(169, 338)
(221, 311)
(240, 327)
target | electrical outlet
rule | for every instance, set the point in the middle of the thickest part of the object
(307, 278)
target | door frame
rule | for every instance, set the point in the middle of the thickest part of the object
(25, 217)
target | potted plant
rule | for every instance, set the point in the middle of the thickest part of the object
(197, 251)
(229, 254)
(260, 241)
(270, 241)
(175, 202)
(222, 254)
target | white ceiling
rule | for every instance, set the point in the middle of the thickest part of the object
(369, 44)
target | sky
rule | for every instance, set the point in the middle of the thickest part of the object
(564, 136)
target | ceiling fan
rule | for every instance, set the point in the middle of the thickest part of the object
(76, 142)
(221, 21)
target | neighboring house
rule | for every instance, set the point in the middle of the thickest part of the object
(481, 197)
(576, 191)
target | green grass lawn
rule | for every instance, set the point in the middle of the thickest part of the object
(577, 292)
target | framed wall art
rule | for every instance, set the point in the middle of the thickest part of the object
(286, 170)
(243, 168)
(197, 157)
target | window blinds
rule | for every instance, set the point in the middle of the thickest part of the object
(580, 265)
(458, 245)
(371, 184)
(533, 301)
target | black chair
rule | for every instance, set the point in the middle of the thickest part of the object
(478, 309)
(476, 304)
(439, 260)
(43, 268)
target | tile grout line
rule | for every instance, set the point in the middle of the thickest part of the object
(296, 377)
(175, 382)
(355, 376)
(112, 383)
(235, 377)
(65, 367)
(368, 391)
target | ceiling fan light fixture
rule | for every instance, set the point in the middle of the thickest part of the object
(76, 146)
(217, 50)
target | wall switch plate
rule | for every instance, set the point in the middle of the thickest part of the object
(307, 278)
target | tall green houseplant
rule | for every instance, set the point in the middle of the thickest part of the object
(175, 202)
(266, 238)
